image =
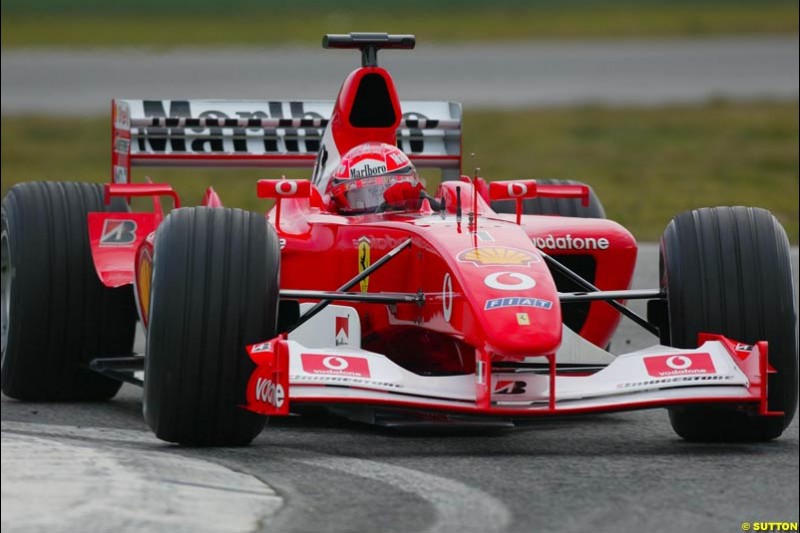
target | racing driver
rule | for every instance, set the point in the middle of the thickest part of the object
(372, 178)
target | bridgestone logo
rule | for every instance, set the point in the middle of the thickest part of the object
(568, 242)
(118, 233)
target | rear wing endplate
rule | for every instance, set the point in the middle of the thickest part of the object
(263, 133)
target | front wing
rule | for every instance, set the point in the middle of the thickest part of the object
(718, 371)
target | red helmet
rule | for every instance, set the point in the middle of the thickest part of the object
(372, 177)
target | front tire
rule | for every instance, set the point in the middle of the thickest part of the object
(215, 290)
(57, 315)
(727, 270)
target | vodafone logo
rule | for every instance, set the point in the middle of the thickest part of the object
(679, 365)
(568, 242)
(517, 190)
(447, 297)
(509, 281)
(679, 362)
(286, 188)
(270, 393)
(335, 365)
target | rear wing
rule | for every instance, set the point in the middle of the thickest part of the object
(263, 133)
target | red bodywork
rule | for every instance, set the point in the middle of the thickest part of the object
(489, 295)
(440, 248)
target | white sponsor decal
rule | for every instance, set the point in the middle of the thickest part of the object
(262, 347)
(509, 387)
(120, 174)
(335, 363)
(517, 190)
(447, 297)
(286, 187)
(568, 242)
(679, 362)
(485, 236)
(269, 392)
(363, 169)
(342, 330)
(516, 301)
(379, 243)
(274, 127)
(118, 233)
(122, 146)
(523, 281)
(123, 116)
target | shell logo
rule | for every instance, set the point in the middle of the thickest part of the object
(497, 256)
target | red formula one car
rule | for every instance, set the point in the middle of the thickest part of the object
(360, 292)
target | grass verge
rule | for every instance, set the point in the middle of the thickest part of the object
(53, 23)
(646, 164)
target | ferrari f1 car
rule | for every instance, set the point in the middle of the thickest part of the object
(362, 294)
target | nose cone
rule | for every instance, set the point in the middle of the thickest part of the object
(515, 300)
(521, 313)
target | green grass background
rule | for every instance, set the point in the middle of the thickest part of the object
(646, 164)
(170, 23)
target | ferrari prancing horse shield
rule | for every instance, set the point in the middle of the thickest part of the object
(363, 261)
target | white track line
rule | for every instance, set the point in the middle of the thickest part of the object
(458, 507)
(52, 484)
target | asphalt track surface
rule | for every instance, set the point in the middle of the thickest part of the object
(614, 473)
(651, 72)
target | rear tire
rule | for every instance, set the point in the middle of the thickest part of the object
(57, 315)
(215, 290)
(727, 270)
(565, 207)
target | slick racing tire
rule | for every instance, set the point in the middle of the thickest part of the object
(727, 270)
(565, 207)
(215, 290)
(57, 315)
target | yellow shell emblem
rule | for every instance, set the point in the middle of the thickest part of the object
(497, 256)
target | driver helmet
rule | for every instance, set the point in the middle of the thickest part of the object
(373, 177)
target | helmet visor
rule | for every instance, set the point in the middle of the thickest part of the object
(366, 195)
